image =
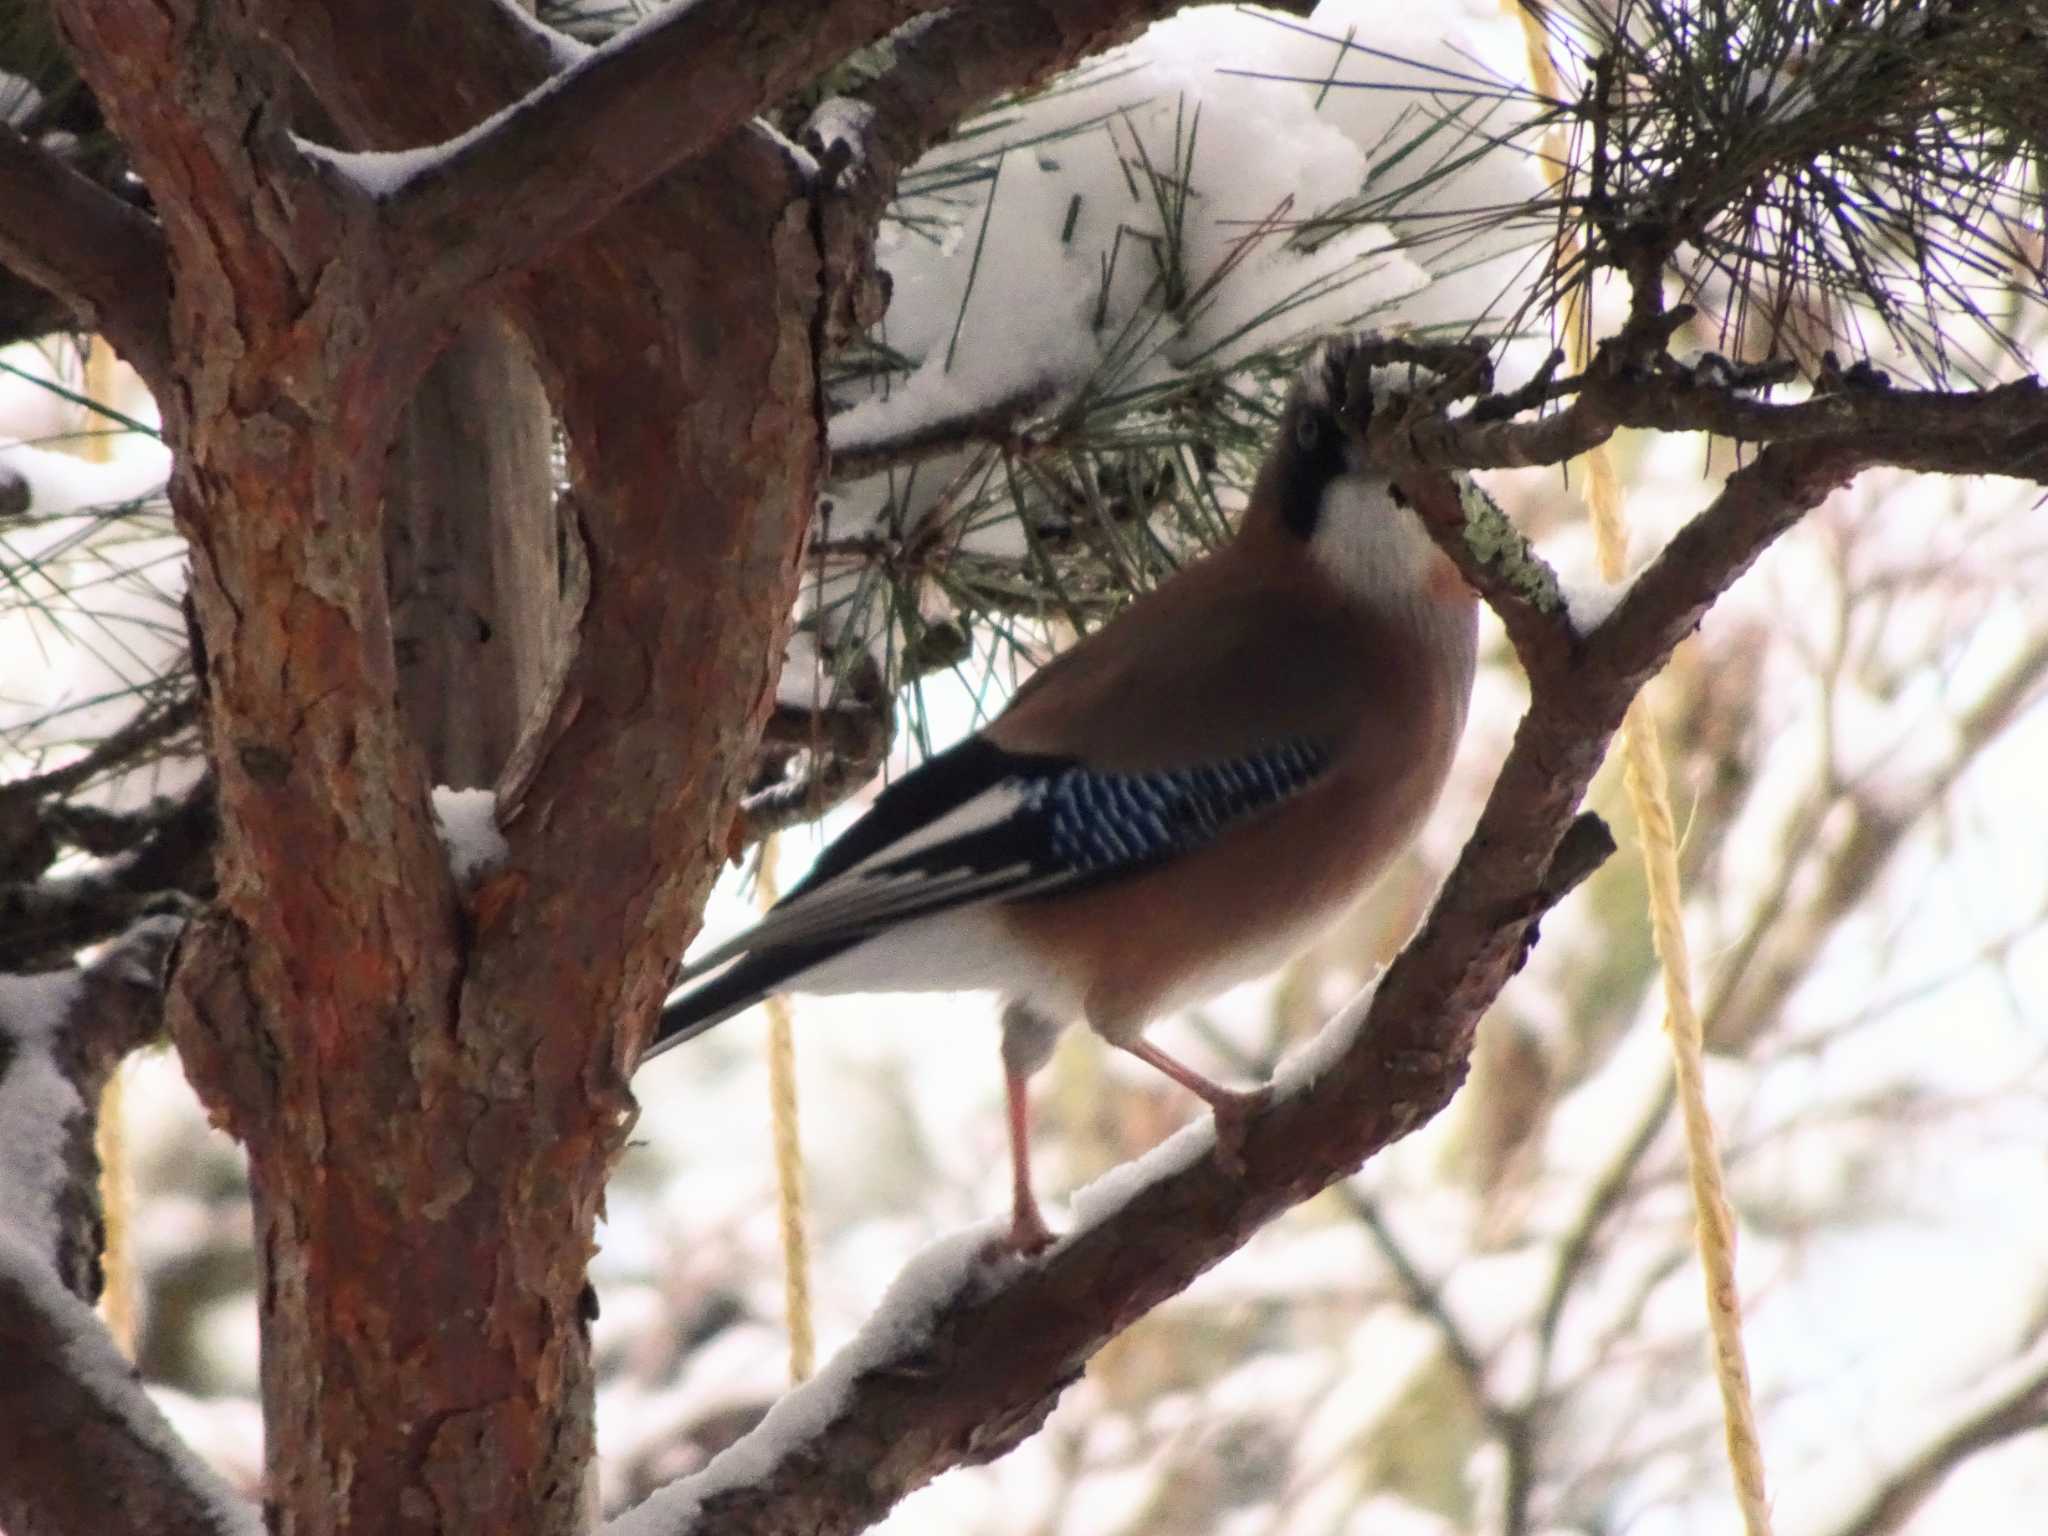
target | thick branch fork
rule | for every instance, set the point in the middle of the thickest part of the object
(510, 192)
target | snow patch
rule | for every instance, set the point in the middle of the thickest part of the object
(467, 820)
(1100, 1201)
(1307, 1064)
(900, 1323)
(37, 1103)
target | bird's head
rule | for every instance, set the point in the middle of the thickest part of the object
(1317, 490)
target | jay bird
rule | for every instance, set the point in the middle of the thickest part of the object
(1179, 802)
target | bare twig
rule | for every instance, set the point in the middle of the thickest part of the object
(2014, 1403)
(140, 735)
(1426, 1298)
(996, 423)
(1779, 946)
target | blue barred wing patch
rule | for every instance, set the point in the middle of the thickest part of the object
(1100, 823)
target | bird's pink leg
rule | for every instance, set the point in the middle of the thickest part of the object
(1233, 1107)
(1028, 1231)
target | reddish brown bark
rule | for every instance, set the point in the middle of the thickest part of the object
(430, 1081)
(429, 1086)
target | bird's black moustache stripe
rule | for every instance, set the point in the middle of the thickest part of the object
(1314, 447)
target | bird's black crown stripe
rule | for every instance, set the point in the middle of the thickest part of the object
(1309, 463)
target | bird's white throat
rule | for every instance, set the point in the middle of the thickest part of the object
(1371, 547)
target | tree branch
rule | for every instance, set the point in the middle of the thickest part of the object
(1810, 449)
(537, 175)
(856, 457)
(995, 1357)
(148, 729)
(847, 742)
(62, 1033)
(980, 1372)
(830, 780)
(45, 918)
(86, 1449)
(722, 438)
(1758, 503)
(2001, 431)
(104, 259)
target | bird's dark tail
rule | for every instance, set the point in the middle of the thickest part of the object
(733, 988)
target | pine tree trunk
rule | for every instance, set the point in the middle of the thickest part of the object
(429, 1076)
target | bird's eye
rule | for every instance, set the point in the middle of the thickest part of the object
(1308, 431)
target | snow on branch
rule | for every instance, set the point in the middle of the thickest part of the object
(83, 1439)
(963, 59)
(62, 1033)
(939, 71)
(86, 1448)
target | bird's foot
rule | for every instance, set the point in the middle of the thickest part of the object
(1234, 1107)
(1234, 1111)
(1028, 1237)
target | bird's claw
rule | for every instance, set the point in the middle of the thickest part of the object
(1017, 1245)
(1027, 1237)
(1233, 1122)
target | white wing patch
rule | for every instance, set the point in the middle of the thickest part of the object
(992, 807)
(869, 894)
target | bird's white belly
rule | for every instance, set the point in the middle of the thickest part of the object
(966, 950)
